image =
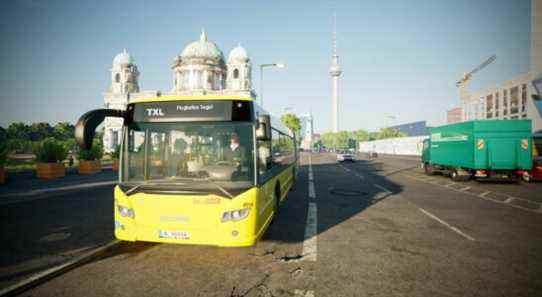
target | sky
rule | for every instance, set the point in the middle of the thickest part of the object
(400, 59)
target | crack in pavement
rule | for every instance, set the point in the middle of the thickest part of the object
(259, 285)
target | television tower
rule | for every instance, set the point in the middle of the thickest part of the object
(335, 71)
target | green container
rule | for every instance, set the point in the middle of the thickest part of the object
(487, 144)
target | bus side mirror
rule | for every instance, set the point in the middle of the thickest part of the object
(85, 129)
(263, 132)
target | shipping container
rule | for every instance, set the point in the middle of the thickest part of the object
(480, 149)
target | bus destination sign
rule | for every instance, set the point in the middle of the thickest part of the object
(192, 111)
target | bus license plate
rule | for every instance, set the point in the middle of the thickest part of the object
(173, 234)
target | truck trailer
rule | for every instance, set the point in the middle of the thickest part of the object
(486, 149)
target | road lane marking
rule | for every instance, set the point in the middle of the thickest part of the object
(446, 224)
(465, 189)
(312, 192)
(483, 194)
(310, 240)
(509, 199)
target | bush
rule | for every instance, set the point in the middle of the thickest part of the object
(95, 153)
(3, 153)
(50, 151)
(116, 153)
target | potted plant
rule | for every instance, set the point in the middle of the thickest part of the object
(3, 159)
(115, 155)
(49, 156)
(90, 160)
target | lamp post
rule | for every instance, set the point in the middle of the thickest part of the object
(262, 66)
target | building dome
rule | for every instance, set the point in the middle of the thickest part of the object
(123, 58)
(238, 55)
(202, 49)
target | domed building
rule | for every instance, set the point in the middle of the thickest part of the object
(200, 69)
(124, 81)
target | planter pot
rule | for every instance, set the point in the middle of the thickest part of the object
(115, 165)
(90, 167)
(50, 170)
(2, 175)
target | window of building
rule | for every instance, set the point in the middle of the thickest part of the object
(117, 77)
(514, 100)
(489, 106)
(505, 102)
(497, 104)
(236, 73)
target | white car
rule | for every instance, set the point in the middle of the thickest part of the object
(344, 156)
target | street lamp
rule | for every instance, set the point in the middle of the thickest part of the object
(262, 66)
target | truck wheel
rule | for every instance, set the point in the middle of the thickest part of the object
(455, 176)
(428, 168)
(526, 177)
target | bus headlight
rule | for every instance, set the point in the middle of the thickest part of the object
(125, 211)
(235, 215)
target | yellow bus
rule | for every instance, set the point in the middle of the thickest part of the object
(209, 170)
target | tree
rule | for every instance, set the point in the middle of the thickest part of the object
(341, 139)
(317, 145)
(360, 135)
(18, 131)
(292, 122)
(63, 131)
(40, 131)
(389, 133)
(3, 135)
(328, 139)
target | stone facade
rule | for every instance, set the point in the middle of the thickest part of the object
(200, 69)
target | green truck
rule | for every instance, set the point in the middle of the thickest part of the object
(487, 149)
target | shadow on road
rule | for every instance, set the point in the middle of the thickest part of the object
(340, 195)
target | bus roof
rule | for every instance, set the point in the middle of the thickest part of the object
(190, 98)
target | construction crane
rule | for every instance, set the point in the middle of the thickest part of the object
(467, 76)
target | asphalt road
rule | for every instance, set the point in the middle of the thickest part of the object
(370, 228)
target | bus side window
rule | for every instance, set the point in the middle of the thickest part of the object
(264, 157)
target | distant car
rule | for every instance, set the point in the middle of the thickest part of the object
(345, 156)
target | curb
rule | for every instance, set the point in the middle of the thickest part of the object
(52, 190)
(51, 273)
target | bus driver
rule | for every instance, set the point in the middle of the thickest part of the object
(235, 153)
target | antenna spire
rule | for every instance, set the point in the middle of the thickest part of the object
(334, 34)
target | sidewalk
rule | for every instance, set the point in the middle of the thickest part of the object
(26, 184)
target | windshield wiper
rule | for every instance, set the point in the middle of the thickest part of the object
(153, 183)
(168, 182)
(219, 187)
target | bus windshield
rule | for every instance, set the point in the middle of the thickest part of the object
(217, 154)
